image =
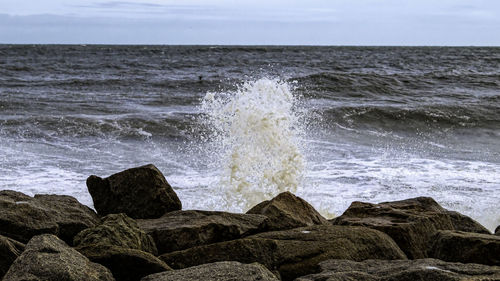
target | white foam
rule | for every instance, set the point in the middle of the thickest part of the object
(256, 133)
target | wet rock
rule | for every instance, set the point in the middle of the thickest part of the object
(411, 223)
(22, 216)
(402, 270)
(219, 271)
(116, 230)
(9, 251)
(46, 257)
(287, 211)
(466, 247)
(141, 193)
(294, 252)
(180, 230)
(125, 264)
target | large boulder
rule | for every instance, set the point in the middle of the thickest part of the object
(402, 270)
(180, 230)
(9, 251)
(466, 247)
(497, 230)
(411, 223)
(116, 230)
(295, 252)
(125, 264)
(287, 211)
(120, 245)
(219, 271)
(141, 193)
(22, 216)
(47, 258)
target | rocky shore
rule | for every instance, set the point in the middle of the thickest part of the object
(140, 232)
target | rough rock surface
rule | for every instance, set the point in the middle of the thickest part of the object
(141, 193)
(287, 211)
(125, 264)
(219, 271)
(402, 270)
(466, 247)
(46, 257)
(497, 230)
(294, 252)
(411, 223)
(116, 230)
(180, 230)
(9, 251)
(22, 216)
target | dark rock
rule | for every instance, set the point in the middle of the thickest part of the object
(466, 247)
(497, 230)
(22, 216)
(402, 270)
(9, 251)
(295, 252)
(411, 223)
(116, 230)
(125, 264)
(141, 193)
(219, 271)
(287, 211)
(180, 230)
(46, 257)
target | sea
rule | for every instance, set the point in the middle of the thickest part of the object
(231, 126)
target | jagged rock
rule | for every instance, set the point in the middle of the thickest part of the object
(141, 193)
(294, 252)
(125, 264)
(9, 251)
(497, 230)
(116, 230)
(402, 270)
(46, 257)
(180, 230)
(287, 211)
(219, 271)
(411, 223)
(466, 247)
(22, 216)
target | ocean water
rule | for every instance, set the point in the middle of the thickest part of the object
(232, 126)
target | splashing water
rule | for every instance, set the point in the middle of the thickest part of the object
(257, 135)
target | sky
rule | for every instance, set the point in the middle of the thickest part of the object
(256, 22)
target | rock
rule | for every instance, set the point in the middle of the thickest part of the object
(120, 245)
(466, 247)
(125, 264)
(287, 211)
(22, 216)
(180, 230)
(46, 257)
(402, 270)
(294, 252)
(9, 251)
(497, 230)
(219, 271)
(141, 193)
(411, 223)
(116, 230)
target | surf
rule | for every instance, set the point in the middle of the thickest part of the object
(256, 135)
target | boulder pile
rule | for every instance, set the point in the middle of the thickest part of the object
(140, 232)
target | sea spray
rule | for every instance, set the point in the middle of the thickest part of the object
(256, 134)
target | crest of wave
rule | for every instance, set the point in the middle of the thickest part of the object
(256, 135)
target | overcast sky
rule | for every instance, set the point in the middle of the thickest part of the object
(256, 22)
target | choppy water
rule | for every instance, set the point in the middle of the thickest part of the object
(230, 126)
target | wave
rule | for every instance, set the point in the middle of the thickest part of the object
(126, 127)
(400, 117)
